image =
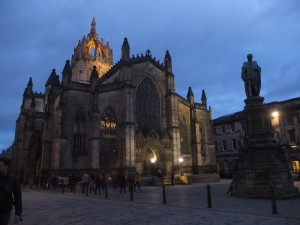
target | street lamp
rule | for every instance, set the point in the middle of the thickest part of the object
(153, 160)
(275, 114)
(181, 160)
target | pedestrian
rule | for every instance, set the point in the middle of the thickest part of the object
(85, 182)
(10, 193)
(172, 178)
(65, 182)
(92, 184)
(233, 185)
(122, 184)
(72, 182)
(97, 184)
(103, 181)
(137, 181)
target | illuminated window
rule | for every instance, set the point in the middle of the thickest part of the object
(79, 141)
(184, 146)
(108, 122)
(108, 140)
(147, 107)
(296, 166)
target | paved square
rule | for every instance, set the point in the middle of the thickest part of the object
(186, 204)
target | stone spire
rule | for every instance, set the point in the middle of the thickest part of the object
(93, 28)
(67, 73)
(30, 84)
(125, 50)
(28, 90)
(67, 69)
(190, 93)
(203, 98)
(168, 62)
(190, 96)
(53, 79)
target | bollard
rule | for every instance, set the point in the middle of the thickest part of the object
(131, 192)
(106, 195)
(87, 190)
(273, 201)
(164, 195)
(208, 197)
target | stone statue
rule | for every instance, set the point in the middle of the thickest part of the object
(251, 77)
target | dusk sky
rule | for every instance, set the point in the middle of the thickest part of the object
(208, 41)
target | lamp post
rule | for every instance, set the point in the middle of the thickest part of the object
(180, 160)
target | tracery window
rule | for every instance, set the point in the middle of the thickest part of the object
(147, 107)
(79, 141)
(184, 139)
(108, 122)
(108, 126)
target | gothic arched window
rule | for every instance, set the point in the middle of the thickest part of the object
(108, 140)
(108, 126)
(147, 107)
(184, 138)
(79, 145)
(108, 122)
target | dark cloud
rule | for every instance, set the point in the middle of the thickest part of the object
(208, 41)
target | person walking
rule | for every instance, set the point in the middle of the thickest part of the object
(137, 181)
(97, 184)
(10, 193)
(122, 184)
(85, 183)
(233, 185)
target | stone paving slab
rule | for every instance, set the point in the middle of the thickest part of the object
(186, 204)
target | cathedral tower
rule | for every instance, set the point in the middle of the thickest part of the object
(90, 52)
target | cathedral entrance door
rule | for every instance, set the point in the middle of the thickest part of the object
(152, 163)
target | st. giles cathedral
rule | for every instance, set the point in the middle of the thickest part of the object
(111, 118)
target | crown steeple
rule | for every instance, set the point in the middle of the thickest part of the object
(90, 52)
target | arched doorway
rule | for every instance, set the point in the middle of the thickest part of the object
(153, 162)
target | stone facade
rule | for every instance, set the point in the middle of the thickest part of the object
(107, 117)
(231, 128)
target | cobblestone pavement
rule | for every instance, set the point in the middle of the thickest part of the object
(186, 204)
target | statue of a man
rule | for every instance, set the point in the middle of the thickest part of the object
(251, 77)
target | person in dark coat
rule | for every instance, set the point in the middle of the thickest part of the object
(10, 193)
(122, 184)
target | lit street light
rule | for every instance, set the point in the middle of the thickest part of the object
(181, 160)
(153, 160)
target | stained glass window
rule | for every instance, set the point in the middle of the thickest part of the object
(147, 107)
(108, 122)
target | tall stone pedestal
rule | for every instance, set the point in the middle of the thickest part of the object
(262, 162)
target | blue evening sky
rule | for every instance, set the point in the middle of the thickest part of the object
(208, 41)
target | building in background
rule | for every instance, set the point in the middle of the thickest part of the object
(106, 117)
(230, 135)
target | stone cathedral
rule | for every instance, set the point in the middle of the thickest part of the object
(107, 117)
